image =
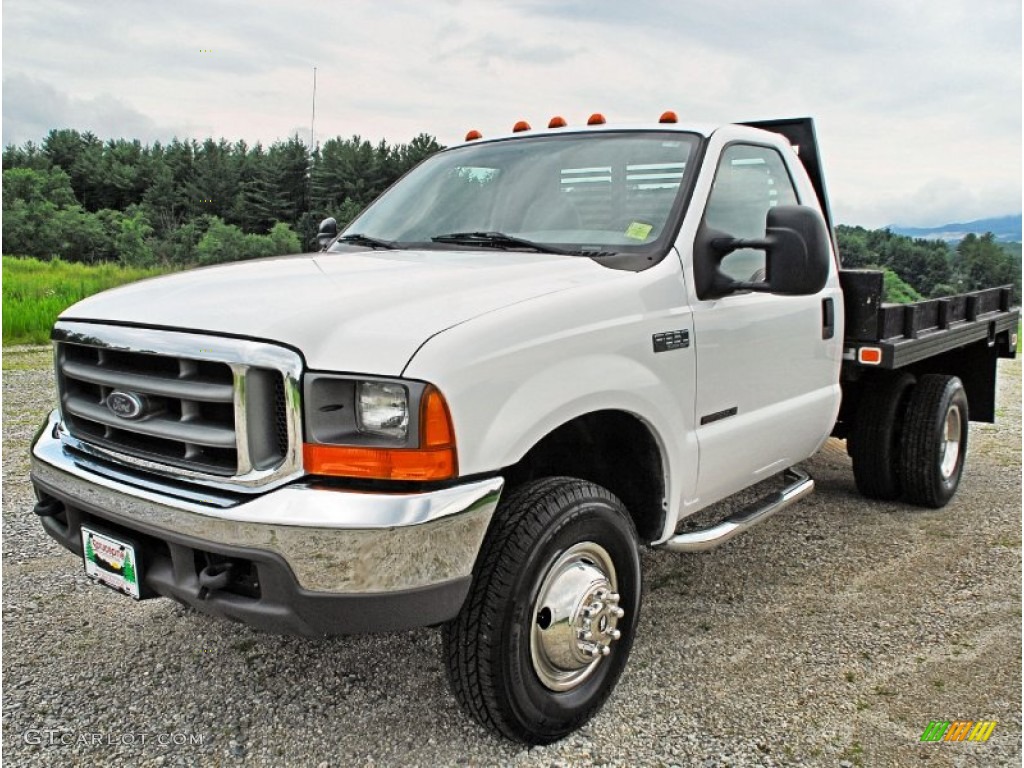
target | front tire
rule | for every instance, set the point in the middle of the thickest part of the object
(934, 441)
(548, 624)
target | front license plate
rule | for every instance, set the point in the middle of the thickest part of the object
(111, 561)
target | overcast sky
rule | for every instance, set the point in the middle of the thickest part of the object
(917, 103)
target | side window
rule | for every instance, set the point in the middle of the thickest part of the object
(748, 182)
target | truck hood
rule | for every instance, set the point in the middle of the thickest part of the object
(361, 312)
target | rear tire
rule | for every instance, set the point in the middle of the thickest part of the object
(559, 562)
(874, 442)
(934, 441)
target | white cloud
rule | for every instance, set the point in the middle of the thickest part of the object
(33, 107)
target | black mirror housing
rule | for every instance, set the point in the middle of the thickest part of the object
(327, 231)
(798, 253)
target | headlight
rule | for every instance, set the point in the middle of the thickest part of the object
(382, 409)
(377, 428)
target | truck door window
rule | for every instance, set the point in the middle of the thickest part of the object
(749, 180)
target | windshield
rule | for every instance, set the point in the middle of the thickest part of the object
(596, 192)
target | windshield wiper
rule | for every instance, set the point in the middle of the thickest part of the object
(497, 240)
(369, 242)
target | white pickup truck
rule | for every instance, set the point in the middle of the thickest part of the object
(531, 355)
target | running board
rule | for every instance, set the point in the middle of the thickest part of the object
(799, 484)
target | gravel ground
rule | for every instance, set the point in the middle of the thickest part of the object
(830, 635)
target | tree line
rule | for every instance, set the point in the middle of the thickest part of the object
(931, 267)
(81, 199)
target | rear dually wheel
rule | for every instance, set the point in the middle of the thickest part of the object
(934, 443)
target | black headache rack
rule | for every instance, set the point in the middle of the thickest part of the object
(799, 132)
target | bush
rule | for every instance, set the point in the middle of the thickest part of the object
(226, 242)
(896, 291)
(221, 242)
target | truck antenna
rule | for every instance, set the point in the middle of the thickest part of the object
(312, 122)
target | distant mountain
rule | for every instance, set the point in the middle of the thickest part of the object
(1007, 229)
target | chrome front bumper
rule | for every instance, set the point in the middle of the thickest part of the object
(334, 543)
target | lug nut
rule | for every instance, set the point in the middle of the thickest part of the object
(614, 634)
(617, 612)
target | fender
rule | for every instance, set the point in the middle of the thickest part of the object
(513, 376)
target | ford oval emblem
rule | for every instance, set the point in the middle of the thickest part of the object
(126, 405)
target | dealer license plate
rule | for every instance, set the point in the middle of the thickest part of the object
(111, 561)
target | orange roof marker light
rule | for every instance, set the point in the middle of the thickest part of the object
(668, 116)
(557, 122)
(596, 119)
(521, 126)
(474, 135)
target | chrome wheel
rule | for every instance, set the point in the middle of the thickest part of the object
(951, 434)
(575, 617)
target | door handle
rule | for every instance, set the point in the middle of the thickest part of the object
(828, 318)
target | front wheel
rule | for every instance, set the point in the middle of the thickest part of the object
(549, 621)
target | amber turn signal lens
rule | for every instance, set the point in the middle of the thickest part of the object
(379, 463)
(435, 421)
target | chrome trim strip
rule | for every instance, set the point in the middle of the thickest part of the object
(239, 354)
(193, 346)
(238, 373)
(799, 485)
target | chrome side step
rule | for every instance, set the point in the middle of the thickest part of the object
(799, 484)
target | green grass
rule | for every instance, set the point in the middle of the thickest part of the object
(35, 292)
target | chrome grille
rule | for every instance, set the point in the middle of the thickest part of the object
(199, 407)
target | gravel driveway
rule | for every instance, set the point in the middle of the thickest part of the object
(830, 635)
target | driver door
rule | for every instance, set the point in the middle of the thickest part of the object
(767, 380)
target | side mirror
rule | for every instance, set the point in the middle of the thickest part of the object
(796, 245)
(328, 231)
(800, 258)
